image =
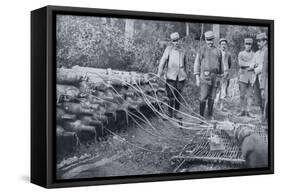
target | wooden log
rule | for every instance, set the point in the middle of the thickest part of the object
(77, 74)
(68, 76)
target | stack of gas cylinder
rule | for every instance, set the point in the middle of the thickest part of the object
(92, 103)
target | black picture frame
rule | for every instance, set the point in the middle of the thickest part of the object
(43, 96)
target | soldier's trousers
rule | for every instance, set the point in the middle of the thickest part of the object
(224, 88)
(258, 97)
(223, 92)
(246, 95)
(174, 89)
(207, 91)
(265, 113)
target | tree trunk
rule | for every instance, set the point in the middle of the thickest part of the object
(113, 21)
(129, 30)
(187, 29)
(216, 30)
(104, 20)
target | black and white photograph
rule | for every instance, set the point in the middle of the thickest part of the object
(145, 97)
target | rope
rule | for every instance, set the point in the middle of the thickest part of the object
(186, 104)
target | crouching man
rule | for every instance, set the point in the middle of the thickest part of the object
(174, 59)
(207, 69)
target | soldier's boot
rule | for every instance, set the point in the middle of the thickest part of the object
(265, 113)
(177, 116)
(177, 107)
(247, 113)
(202, 108)
(247, 108)
(244, 107)
(262, 106)
(242, 113)
(171, 108)
(210, 109)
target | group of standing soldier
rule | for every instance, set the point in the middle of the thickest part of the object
(253, 75)
(212, 73)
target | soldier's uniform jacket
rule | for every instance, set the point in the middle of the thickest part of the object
(176, 66)
(264, 75)
(208, 64)
(258, 62)
(244, 61)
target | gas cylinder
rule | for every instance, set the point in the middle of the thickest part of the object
(59, 131)
(97, 123)
(79, 126)
(67, 90)
(76, 108)
(60, 113)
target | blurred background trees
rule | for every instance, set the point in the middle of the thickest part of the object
(136, 45)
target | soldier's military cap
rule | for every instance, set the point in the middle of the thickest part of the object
(175, 36)
(261, 36)
(223, 39)
(209, 35)
(248, 40)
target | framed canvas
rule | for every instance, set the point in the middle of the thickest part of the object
(126, 96)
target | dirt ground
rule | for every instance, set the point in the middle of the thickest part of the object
(143, 150)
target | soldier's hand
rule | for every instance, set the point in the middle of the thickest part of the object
(262, 93)
(251, 66)
(225, 75)
(159, 75)
(155, 79)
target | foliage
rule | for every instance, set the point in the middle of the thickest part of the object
(235, 36)
(102, 42)
(87, 41)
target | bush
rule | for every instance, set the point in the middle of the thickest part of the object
(101, 42)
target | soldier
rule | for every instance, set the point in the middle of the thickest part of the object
(226, 61)
(207, 68)
(246, 75)
(175, 75)
(257, 66)
(264, 85)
